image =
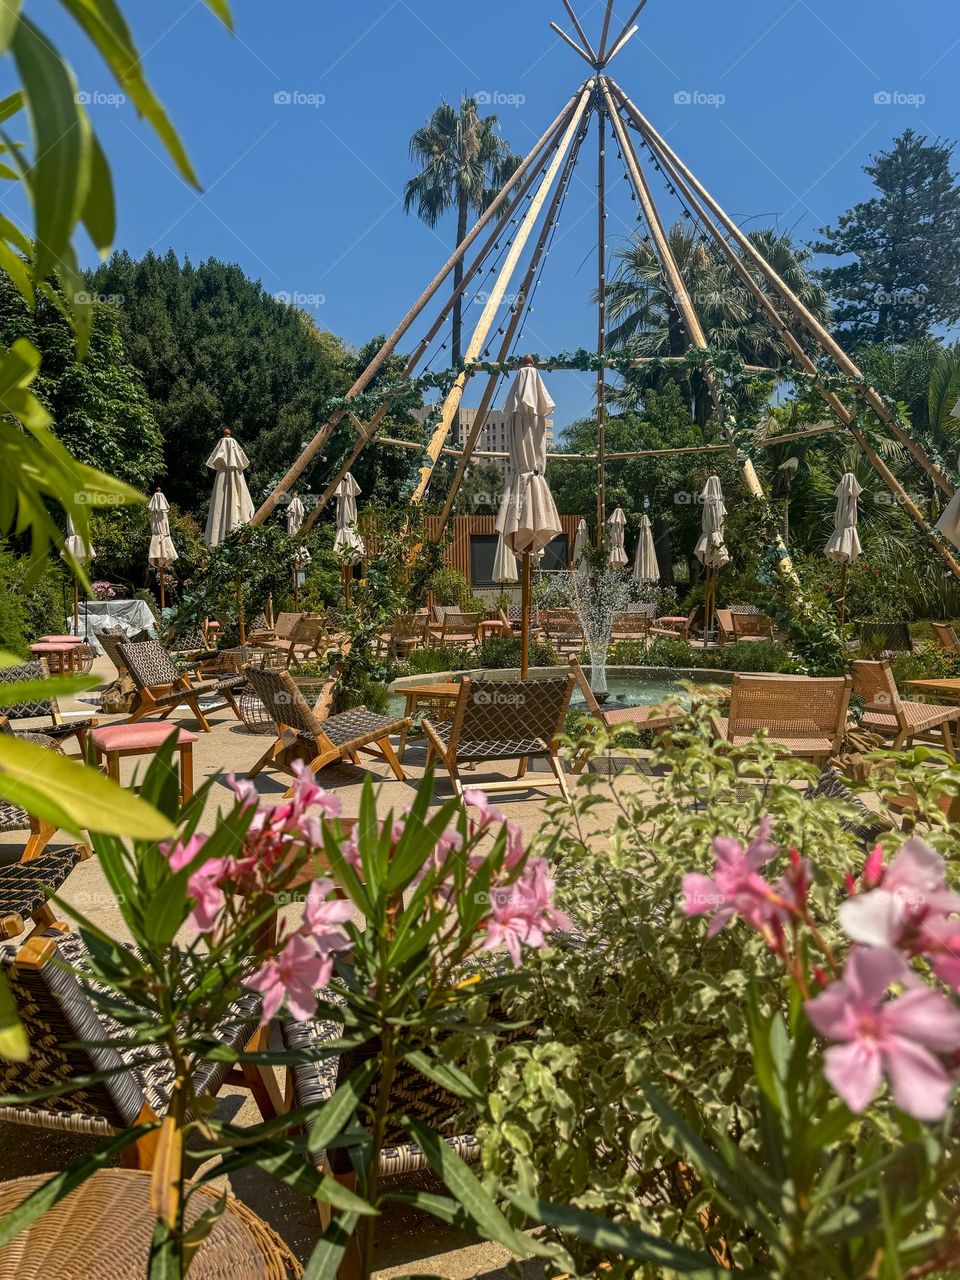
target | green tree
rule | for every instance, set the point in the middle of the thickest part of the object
(904, 279)
(99, 405)
(215, 350)
(464, 163)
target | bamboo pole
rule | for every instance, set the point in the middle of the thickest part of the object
(601, 311)
(846, 416)
(485, 323)
(511, 330)
(365, 378)
(620, 41)
(550, 140)
(601, 50)
(580, 31)
(827, 342)
(691, 320)
(76, 608)
(572, 43)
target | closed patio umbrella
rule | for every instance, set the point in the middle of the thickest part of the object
(82, 552)
(504, 563)
(296, 514)
(347, 545)
(230, 503)
(711, 549)
(580, 542)
(949, 522)
(618, 529)
(844, 546)
(528, 518)
(162, 552)
(645, 566)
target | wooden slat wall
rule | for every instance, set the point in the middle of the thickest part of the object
(456, 552)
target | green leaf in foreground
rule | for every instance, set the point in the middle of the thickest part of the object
(14, 1045)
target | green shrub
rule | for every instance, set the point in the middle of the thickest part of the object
(663, 652)
(756, 655)
(450, 588)
(31, 609)
(502, 653)
(423, 662)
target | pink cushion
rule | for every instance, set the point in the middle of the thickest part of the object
(60, 640)
(54, 646)
(139, 737)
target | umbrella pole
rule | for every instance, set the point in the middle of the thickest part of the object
(296, 588)
(270, 611)
(243, 630)
(347, 583)
(76, 608)
(525, 616)
(843, 593)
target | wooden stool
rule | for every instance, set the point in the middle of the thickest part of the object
(60, 655)
(143, 739)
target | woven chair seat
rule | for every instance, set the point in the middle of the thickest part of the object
(503, 749)
(796, 741)
(918, 715)
(21, 891)
(358, 726)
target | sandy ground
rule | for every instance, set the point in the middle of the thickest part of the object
(408, 1242)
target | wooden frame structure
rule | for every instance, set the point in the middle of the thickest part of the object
(533, 197)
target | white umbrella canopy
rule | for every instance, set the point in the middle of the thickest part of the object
(844, 546)
(296, 514)
(162, 552)
(230, 503)
(618, 527)
(504, 563)
(73, 546)
(949, 522)
(711, 549)
(645, 566)
(581, 542)
(348, 545)
(528, 516)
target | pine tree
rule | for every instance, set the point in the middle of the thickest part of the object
(905, 241)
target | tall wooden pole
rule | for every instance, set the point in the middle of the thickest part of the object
(511, 330)
(846, 416)
(373, 368)
(525, 574)
(601, 315)
(864, 391)
(454, 397)
(687, 311)
(843, 592)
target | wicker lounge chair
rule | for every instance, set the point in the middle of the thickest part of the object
(639, 719)
(805, 716)
(751, 626)
(725, 632)
(863, 824)
(311, 734)
(890, 715)
(457, 629)
(497, 720)
(562, 629)
(59, 1014)
(13, 818)
(308, 639)
(947, 637)
(23, 896)
(58, 729)
(161, 687)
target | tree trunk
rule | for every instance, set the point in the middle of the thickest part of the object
(463, 210)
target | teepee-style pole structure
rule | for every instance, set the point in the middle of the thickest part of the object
(602, 304)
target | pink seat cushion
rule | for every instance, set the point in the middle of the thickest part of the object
(139, 737)
(60, 640)
(53, 646)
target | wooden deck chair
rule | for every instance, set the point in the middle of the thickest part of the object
(892, 716)
(70, 1037)
(752, 626)
(804, 715)
(24, 884)
(562, 629)
(947, 637)
(498, 720)
(58, 729)
(680, 630)
(407, 634)
(313, 735)
(636, 718)
(725, 632)
(307, 639)
(457, 629)
(630, 626)
(161, 687)
(13, 818)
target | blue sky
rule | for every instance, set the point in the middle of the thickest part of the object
(790, 97)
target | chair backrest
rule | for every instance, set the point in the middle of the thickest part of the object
(631, 624)
(285, 704)
(408, 626)
(509, 710)
(752, 624)
(583, 684)
(188, 641)
(57, 1014)
(885, 637)
(947, 636)
(640, 607)
(285, 624)
(149, 663)
(790, 706)
(725, 624)
(18, 675)
(461, 623)
(110, 641)
(862, 823)
(307, 630)
(874, 682)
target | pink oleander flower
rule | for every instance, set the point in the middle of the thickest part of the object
(293, 975)
(180, 854)
(878, 1037)
(204, 887)
(307, 793)
(736, 887)
(523, 912)
(912, 896)
(322, 917)
(486, 813)
(243, 789)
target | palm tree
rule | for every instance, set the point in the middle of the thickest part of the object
(464, 163)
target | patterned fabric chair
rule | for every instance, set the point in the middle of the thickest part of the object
(58, 729)
(496, 720)
(13, 818)
(312, 734)
(110, 640)
(161, 687)
(22, 893)
(893, 717)
(71, 1036)
(862, 823)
